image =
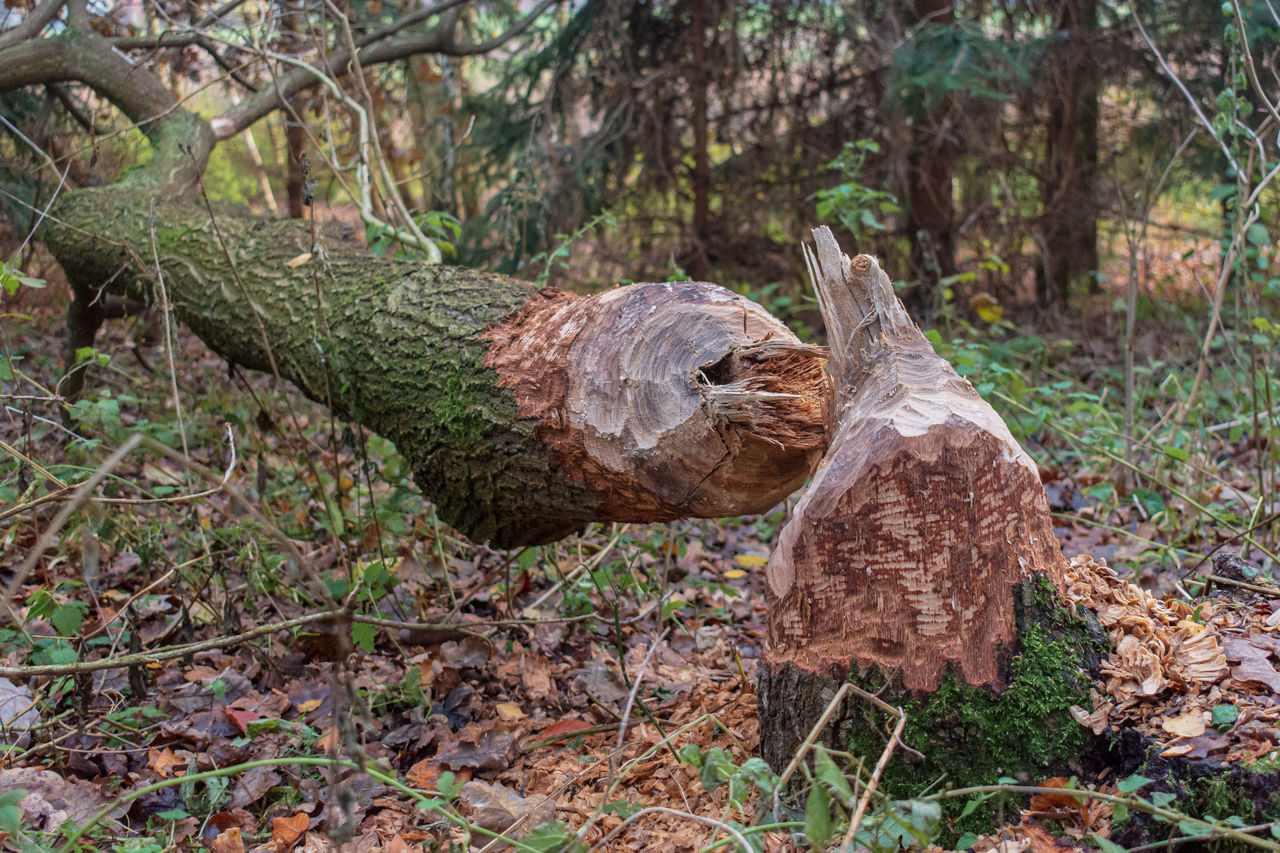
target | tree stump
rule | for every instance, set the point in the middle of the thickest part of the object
(921, 563)
(921, 566)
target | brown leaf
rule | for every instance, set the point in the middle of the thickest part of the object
(1060, 806)
(163, 761)
(330, 741)
(536, 674)
(497, 808)
(253, 785)
(229, 841)
(239, 818)
(509, 712)
(470, 652)
(602, 679)
(285, 831)
(242, 719)
(480, 748)
(397, 844)
(423, 774)
(1206, 745)
(51, 800)
(1188, 725)
(565, 727)
(1254, 666)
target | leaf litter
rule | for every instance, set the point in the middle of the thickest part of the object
(516, 697)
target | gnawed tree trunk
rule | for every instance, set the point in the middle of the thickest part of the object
(524, 413)
(921, 565)
(921, 562)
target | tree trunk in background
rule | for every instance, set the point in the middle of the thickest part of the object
(701, 156)
(930, 160)
(1069, 222)
(295, 135)
(920, 563)
(524, 414)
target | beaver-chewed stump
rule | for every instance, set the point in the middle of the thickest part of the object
(921, 565)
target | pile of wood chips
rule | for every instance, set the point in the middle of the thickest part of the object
(1199, 679)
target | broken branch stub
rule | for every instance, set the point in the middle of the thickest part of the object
(924, 514)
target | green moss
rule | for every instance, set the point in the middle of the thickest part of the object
(1269, 763)
(1221, 797)
(972, 736)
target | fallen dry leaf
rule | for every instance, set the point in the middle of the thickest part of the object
(285, 831)
(1060, 806)
(565, 727)
(480, 747)
(242, 719)
(500, 809)
(164, 761)
(229, 841)
(424, 774)
(509, 712)
(253, 785)
(51, 799)
(1190, 724)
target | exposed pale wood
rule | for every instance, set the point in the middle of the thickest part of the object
(924, 514)
(667, 400)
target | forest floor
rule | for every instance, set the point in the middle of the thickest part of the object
(606, 681)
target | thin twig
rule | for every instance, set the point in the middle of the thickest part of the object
(806, 745)
(894, 740)
(171, 652)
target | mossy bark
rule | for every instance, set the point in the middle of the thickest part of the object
(965, 735)
(394, 345)
(524, 414)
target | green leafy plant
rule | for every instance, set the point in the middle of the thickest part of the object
(857, 207)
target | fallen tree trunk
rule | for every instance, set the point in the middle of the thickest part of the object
(524, 413)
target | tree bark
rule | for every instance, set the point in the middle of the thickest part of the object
(921, 562)
(1069, 222)
(524, 413)
(698, 84)
(930, 169)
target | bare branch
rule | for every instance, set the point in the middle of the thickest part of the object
(33, 23)
(175, 38)
(408, 21)
(181, 141)
(1249, 65)
(1191, 101)
(377, 50)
